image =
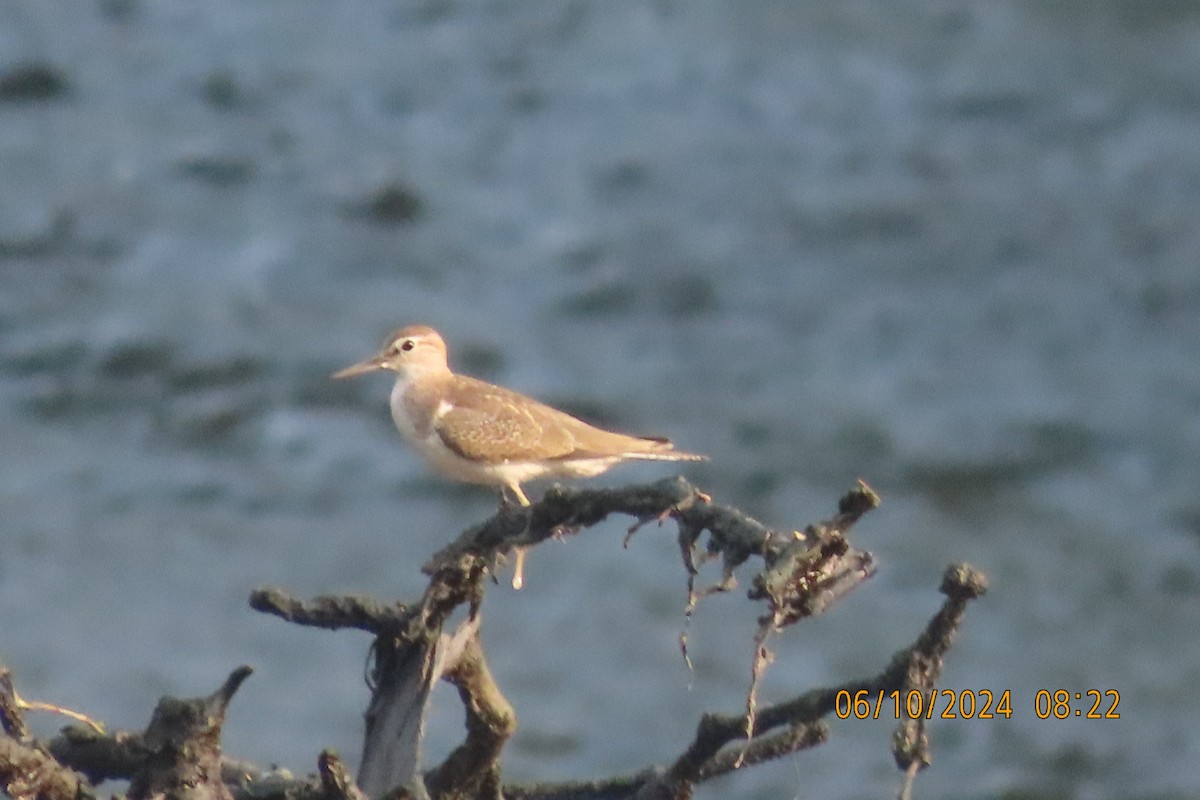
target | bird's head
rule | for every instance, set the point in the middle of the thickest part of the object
(411, 351)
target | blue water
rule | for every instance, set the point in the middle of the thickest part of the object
(947, 248)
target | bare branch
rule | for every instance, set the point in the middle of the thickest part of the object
(11, 718)
(332, 613)
(402, 679)
(336, 783)
(710, 754)
(100, 756)
(766, 748)
(473, 769)
(961, 583)
(28, 773)
(183, 744)
(802, 573)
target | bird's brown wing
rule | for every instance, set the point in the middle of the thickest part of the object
(492, 425)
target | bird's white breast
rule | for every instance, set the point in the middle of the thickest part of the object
(400, 414)
(417, 423)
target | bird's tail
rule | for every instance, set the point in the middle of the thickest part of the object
(665, 455)
(661, 449)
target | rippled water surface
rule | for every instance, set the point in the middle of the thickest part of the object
(949, 248)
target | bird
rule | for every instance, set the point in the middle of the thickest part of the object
(476, 432)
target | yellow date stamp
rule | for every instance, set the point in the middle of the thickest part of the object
(1062, 704)
(973, 704)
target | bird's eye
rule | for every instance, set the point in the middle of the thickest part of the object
(406, 345)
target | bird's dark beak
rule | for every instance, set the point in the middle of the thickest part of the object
(361, 368)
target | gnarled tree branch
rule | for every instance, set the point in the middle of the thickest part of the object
(798, 574)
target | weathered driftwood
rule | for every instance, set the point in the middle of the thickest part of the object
(801, 574)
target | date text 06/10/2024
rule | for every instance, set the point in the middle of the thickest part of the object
(974, 704)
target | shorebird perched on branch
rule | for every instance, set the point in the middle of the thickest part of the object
(476, 432)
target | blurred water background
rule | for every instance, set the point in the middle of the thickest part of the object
(947, 247)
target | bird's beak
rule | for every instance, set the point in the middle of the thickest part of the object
(361, 368)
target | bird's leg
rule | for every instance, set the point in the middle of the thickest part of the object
(518, 579)
(517, 496)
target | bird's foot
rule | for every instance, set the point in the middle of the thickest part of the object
(511, 495)
(518, 578)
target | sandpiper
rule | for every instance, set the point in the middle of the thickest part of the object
(473, 431)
